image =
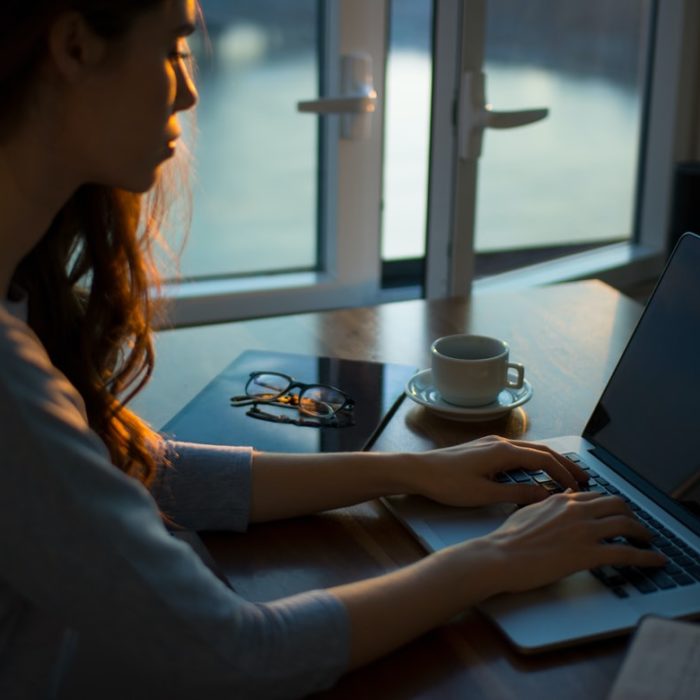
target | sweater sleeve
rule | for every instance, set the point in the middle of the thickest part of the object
(85, 544)
(205, 487)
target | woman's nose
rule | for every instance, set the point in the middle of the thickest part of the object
(187, 94)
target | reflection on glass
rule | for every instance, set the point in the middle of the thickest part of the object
(212, 418)
(255, 197)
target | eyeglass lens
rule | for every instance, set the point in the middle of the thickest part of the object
(314, 400)
(267, 386)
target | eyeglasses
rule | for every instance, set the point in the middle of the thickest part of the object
(327, 405)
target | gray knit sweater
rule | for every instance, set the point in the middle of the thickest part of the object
(96, 598)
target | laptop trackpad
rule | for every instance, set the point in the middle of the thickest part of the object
(438, 526)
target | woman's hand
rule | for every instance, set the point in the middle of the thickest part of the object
(287, 485)
(535, 546)
(463, 475)
(547, 541)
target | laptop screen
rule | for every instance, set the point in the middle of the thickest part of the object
(648, 417)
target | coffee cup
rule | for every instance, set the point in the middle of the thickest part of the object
(472, 370)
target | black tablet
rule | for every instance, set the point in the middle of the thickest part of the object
(375, 388)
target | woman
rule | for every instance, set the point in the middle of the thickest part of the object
(92, 91)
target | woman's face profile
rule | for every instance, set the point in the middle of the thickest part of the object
(126, 124)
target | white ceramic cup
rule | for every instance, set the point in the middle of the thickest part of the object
(472, 370)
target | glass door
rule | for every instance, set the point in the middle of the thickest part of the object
(256, 188)
(574, 78)
(566, 183)
(287, 198)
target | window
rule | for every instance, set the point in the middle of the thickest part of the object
(407, 130)
(292, 216)
(539, 205)
(570, 179)
(256, 188)
(287, 205)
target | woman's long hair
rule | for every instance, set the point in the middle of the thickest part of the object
(91, 277)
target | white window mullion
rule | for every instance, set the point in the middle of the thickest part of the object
(460, 26)
(443, 147)
(357, 261)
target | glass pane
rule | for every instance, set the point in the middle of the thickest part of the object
(407, 129)
(255, 189)
(571, 178)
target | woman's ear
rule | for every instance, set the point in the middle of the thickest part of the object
(73, 46)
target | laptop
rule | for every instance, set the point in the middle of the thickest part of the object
(642, 442)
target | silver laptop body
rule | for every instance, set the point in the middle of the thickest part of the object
(642, 441)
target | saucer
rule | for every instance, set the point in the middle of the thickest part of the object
(420, 389)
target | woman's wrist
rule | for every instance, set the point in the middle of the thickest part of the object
(480, 566)
(403, 472)
(390, 473)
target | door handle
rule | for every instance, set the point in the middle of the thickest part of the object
(475, 115)
(339, 105)
(357, 101)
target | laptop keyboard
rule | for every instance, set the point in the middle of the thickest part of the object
(683, 567)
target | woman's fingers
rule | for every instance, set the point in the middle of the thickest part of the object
(500, 454)
(532, 459)
(599, 505)
(569, 532)
(526, 494)
(572, 468)
(584, 496)
(522, 494)
(619, 525)
(626, 555)
(608, 517)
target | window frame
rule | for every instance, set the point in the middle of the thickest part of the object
(669, 134)
(351, 273)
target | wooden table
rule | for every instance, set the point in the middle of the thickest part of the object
(569, 338)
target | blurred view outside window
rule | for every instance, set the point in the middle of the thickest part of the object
(567, 181)
(407, 129)
(255, 189)
(570, 179)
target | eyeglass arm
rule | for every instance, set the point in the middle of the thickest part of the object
(287, 400)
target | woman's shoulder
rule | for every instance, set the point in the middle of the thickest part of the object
(18, 343)
(26, 369)
(20, 348)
